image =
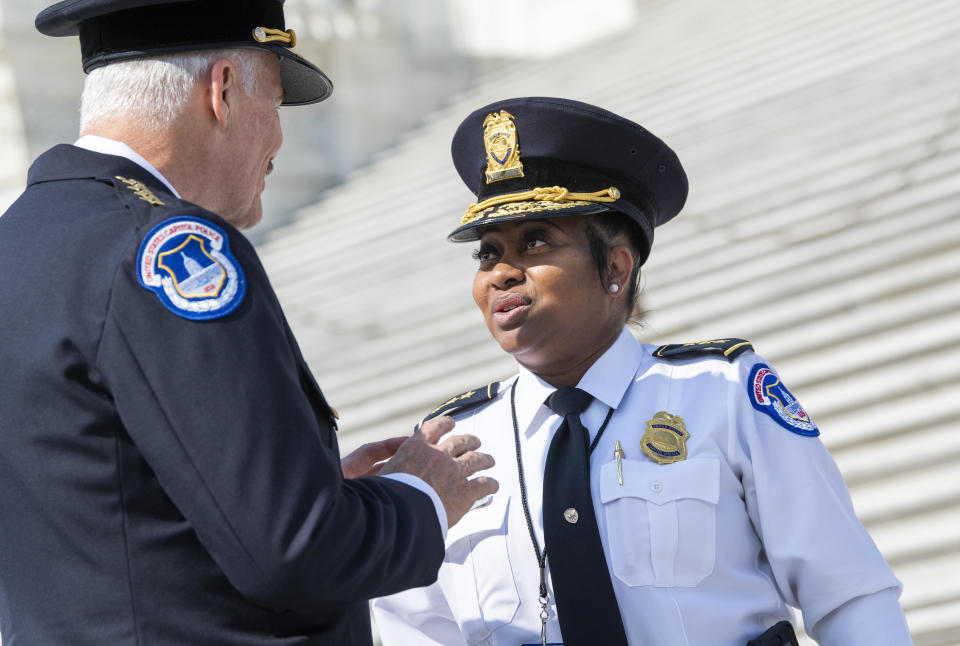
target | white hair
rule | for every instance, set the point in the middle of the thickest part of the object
(154, 91)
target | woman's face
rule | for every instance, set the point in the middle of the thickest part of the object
(541, 295)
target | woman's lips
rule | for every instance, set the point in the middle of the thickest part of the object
(509, 309)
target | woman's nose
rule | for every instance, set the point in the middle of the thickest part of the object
(506, 274)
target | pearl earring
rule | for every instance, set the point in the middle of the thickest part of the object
(614, 288)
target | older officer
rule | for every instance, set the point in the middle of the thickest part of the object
(665, 496)
(169, 469)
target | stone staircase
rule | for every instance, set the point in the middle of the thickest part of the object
(822, 141)
(14, 158)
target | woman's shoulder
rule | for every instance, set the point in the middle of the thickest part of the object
(732, 366)
(702, 364)
(728, 349)
(728, 358)
(469, 402)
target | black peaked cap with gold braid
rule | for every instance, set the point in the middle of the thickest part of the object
(729, 349)
(540, 157)
(463, 402)
(118, 30)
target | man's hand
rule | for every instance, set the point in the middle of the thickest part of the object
(364, 461)
(445, 466)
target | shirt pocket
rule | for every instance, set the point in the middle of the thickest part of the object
(477, 576)
(662, 522)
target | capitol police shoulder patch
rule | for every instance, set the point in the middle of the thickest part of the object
(769, 395)
(186, 262)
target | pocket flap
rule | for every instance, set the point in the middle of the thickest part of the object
(483, 520)
(662, 483)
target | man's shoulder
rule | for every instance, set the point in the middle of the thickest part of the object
(68, 179)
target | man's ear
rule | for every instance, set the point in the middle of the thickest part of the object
(223, 87)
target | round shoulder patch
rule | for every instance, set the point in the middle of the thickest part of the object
(186, 262)
(769, 395)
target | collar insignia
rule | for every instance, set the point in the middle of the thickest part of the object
(666, 438)
(503, 152)
(140, 190)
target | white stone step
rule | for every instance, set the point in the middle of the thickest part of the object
(777, 300)
(923, 535)
(930, 582)
(795, 346)
(902, 495)
(935, 625)
(904, 344)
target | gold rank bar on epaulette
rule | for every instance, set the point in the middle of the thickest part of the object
(463, 402)
(140, 190)
(729, 349)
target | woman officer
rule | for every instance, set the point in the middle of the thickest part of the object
(658, 496)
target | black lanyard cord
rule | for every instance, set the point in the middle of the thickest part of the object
(541, 555)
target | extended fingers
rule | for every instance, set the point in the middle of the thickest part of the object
(432, 430)
(383, 450)
(457, 445)
(483, 486)
(472, 462)
(361, 461)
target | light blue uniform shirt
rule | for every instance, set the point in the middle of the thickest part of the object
(708, 551)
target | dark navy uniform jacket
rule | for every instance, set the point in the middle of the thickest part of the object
(165, 480)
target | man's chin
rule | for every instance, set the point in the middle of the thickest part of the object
(248, 220)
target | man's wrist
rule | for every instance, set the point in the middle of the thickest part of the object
(421, 485)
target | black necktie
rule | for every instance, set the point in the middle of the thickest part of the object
(586, 605)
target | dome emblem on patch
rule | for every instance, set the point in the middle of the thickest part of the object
(503, 152)
(186, 262)
(769, 395)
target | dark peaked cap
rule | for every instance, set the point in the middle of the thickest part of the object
(119, 30)
(570, 145)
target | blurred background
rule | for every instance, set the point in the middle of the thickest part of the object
(822, 142)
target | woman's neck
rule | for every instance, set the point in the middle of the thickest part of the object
(569, 370)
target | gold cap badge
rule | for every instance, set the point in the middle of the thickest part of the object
(666, 438)
(503, 152)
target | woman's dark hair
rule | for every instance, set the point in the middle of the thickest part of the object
(601, 230)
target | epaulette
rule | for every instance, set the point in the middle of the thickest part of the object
(140, 191)
(463, 402)
(729, 349)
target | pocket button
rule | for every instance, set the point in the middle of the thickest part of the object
(656, 486)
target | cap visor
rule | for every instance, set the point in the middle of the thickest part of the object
(303, 82)
(507, 213)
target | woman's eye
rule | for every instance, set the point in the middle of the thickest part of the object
(483, 254)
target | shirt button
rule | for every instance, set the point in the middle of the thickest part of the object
(656, 486)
